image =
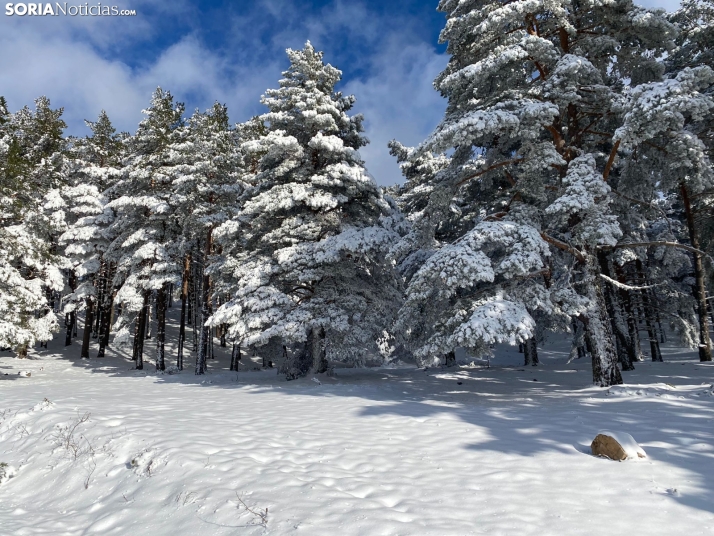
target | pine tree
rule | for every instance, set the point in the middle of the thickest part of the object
(314, 229)
(534, 97)
(206, 186)
(93, 169)
(31, 217)
(146, 228)
(663, 132)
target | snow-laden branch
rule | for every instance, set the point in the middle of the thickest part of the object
(658, 243)
(563, 246)
(623, 286)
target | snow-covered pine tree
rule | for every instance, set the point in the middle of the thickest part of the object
(31, 216)
(206, 186)
(314, 229)
(475, 292)
(662, 134)
(93, 169)
(146, 228)
(696, 48)
(535, 93)
(695, 43)
(430, 215)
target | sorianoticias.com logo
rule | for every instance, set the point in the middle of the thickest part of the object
(56, 9)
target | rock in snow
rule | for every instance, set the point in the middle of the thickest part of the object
(616, 446)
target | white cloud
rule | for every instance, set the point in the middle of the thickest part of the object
(398, 102)
(75, 76)
(80, 65)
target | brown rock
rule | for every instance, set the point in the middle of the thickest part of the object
(608, 447)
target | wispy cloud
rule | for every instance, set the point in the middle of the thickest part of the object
(231, 53)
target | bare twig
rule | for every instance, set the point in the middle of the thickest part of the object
(259, 514)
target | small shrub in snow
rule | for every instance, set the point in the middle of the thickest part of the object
(8, 471)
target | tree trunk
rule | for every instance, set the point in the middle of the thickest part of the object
(450, 359)
(205, 331)
(577, 346)
(319, 350)
(299, 364)
(195, 304)
(68, 329)
(626, 300)
(655, 352)
(106, 329)
(625, 348)
(69, 317)
(530, 351)
(184, 300)
(101, 287)
(140, 333)
(88, 322)
(235, 355)
(103, 308)
(147, 329)
(598, 333)
(700, 293)
(161, 300)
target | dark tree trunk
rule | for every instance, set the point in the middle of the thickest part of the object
(140, 333)
(530, 351)
(195, 304)
(630, 319)
(69, 318)
(96, 317)
(662, 334)
(598, 334)
(235, 355)
(450, 359)
(161, 300)
(147, 328)
(211, 355)
(205, 331)
(88, 321)
(102, 307)
(184, 300)
(700, 290)
(647, 314)
(106, 325)
(298, 364)
(319, 350)
(578, 339)
(626, 353)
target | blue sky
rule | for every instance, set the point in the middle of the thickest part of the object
(231, 52)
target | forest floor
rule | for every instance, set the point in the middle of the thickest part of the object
(100, 448)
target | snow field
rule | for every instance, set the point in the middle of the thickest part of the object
(371, 452)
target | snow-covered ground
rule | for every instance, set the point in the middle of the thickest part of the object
(500, 450)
